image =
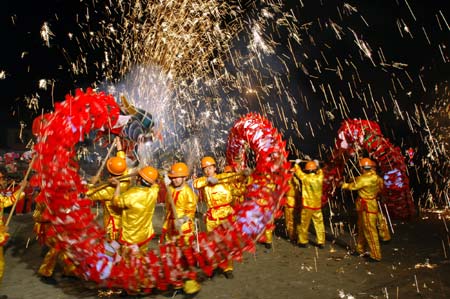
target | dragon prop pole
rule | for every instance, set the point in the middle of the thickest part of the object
(102, 185)
(389, 218)
(97, 175)
(22, 187)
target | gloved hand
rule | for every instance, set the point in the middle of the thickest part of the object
(247, 171)
(212, 180)
(167, 180)
(114, 181)
(297, 161)
(180, 221)
(317, 163)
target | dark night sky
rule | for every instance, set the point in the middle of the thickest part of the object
(25, 58)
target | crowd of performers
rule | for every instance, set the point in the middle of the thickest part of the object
(129, 199)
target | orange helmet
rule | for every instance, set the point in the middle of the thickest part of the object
(208, 161)
(311, 166)
(116, 165)
(228, 168)
(179, 169)
(366, 163)
(149, 174)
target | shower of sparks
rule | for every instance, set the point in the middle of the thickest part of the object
(198, 65)
(348, 9)
(32, 103)
(43, 84)
(46, 34)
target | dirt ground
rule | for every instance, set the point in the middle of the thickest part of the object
(415, 264)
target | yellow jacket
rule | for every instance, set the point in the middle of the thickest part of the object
(312, 184)
(218, 197)
(237, 187)
(138, 204)
(185, 202)
(112, 215)
(369, 184)
(7, 201)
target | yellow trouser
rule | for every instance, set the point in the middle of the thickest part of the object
(2, 264)
(289, 217)
(383, 229)
(191, 286)
(49, 263)
(268, 234)
(289, 222)
(368, 234)
(305, 220)
(210, 226)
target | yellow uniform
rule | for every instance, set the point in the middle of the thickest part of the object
(290, 207)
(48, 265)
(6, 201)
(383, 229)
(238, 186)
(138, 204)
(219, 201)
(311, 205)
(218, 198)
(267, 237)
(368, 185)
(112, 215)
(185, 202)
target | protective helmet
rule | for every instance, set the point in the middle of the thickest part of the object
(116, 165)
(228, 168)
(179, 169)
(149, 174)
(366, 163)
(208, 161)
(311, 166)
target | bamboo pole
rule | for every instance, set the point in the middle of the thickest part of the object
(22, 187)
(389, 218)
(97, 175)
(169, 198)
(102, 185)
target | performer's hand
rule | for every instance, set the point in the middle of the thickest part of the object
(167, 180)
(180, 221)
(298, 161)
(118, 143)
(23, 184)
(247, 171)
(114, 181)
(212, 180)
(94, 180)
